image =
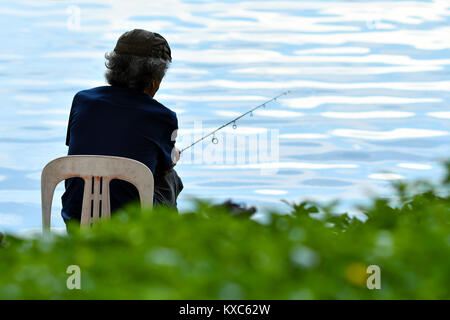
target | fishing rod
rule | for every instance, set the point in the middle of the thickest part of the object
(215, 140)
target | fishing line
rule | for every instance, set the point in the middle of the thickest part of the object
(214, 140)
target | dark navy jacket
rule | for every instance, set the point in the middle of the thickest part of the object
(122, 122)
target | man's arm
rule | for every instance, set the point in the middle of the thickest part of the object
(171, 153)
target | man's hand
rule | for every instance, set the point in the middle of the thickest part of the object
(175, 157)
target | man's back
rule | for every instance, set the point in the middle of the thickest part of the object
(122, 122)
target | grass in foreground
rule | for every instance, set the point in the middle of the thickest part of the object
(211, 254)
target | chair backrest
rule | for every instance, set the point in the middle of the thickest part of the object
(97, 172)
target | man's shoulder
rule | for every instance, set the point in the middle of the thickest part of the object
(91, 91)
(141, 101)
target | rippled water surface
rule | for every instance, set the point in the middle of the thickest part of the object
(370, 100)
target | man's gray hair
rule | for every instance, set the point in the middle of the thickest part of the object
(135, 72)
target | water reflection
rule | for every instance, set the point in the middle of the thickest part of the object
(401, 133)
(315, 101)
(369, 80)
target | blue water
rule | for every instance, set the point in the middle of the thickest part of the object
(369, 103)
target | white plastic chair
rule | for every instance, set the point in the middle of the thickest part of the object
(97, 172)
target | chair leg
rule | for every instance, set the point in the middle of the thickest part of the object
(47, 190)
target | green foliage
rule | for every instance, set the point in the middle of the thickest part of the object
(312, 253)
